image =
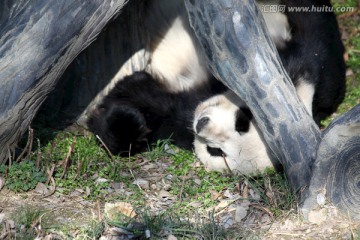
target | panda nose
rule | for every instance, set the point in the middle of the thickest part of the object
(201, 123)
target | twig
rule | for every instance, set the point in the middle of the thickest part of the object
(10, 159)
(26, 148)
(52, 191)
(31, 133)
(182, 187)
(227, 165)
(99, 212)
(48, 154)
(66, 161)
(288, 234)
(50, 173)
(38, 158)
(79, 165)
(107, 149)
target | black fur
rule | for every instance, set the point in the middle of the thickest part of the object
(315, 52)
(139, 110)
(243, 118)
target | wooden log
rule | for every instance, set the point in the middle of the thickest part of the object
(336, 171)
(38, 40)
(241, 54)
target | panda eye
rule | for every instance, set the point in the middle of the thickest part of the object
(215, 152)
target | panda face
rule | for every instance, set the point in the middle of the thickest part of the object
(226, 137)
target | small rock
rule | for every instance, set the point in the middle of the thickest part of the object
(76, 193)
(320, 199)
(2, 182)
(241, 212)
(195, 204)
(171, 237)
(197, 181)
(165, 196)
(100, 180)
(169, 177)
(144, 184)
(317, 216)
(41, 188)
(227, 221)
(11, 224)
(169, 150)
(254, 195)
(87, 191)
(117, 185)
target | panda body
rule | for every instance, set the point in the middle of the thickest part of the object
(176, 80)
(139, 110)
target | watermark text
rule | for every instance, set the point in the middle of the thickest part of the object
(274, 8)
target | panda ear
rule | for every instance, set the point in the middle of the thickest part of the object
(243, 118)
(247, 112)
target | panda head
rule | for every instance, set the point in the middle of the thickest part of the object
(226, 136)
(120, 126)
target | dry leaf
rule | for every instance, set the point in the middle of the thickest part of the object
(113, 209)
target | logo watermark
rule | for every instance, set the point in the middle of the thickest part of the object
(274, 8)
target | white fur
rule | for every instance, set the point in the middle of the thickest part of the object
(177, 58)
(276, 22)
(306, 91)
(245, 153)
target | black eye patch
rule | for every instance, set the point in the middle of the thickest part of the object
(215, 152)
(243, 118)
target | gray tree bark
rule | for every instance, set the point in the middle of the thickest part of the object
(38, 40)
(336, 171)
(241, 54)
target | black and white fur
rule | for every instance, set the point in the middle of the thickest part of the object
(141, 110)
(146, 106)
(227, 138)
(311, 51)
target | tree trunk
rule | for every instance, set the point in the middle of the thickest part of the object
(242, 55)
(38, 40)
(336, 171)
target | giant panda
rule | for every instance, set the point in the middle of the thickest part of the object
(177, 68)
(139, 110)
(158, 101)
(311, 51)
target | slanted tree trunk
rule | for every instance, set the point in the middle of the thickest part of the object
(38, 40)
(241, 54)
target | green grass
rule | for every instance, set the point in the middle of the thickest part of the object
(191, 216)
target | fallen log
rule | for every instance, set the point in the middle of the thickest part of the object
(38, 40)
